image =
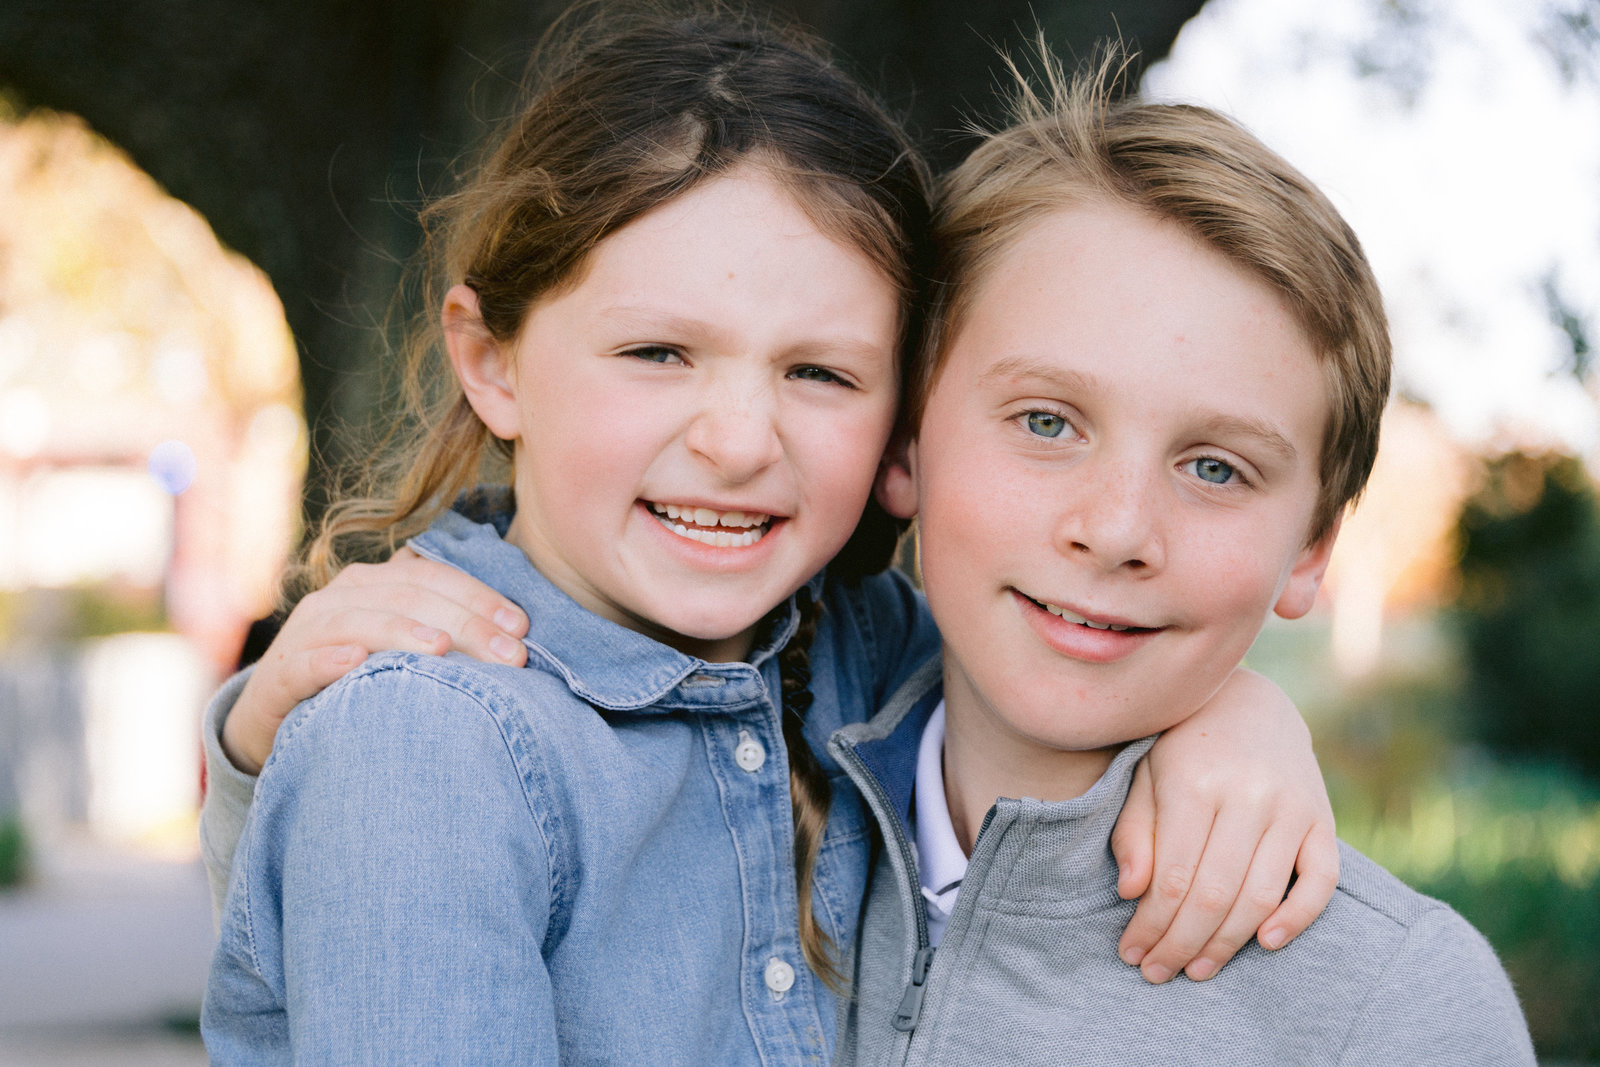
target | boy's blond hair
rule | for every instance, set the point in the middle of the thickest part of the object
(1076, 144)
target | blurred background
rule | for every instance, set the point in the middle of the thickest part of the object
(207, 207)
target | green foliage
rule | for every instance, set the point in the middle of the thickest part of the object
(13, 852)
(1516, 850)
(1529, 610)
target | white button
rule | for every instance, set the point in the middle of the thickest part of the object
(780, 976)
(749, 755)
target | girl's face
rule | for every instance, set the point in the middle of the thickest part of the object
(697, 421)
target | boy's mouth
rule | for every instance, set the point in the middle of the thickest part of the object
(720, 529)
(1071, 616)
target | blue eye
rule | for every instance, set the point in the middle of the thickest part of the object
(816, 374)
(1046, 424)
(1214, 471)
(654, 354)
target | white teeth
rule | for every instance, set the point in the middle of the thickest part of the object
(736, 520)
(725, 529)
(1072, 616)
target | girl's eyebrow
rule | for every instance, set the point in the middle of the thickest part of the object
(669, 326)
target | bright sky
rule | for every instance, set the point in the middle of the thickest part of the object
(1469, 164)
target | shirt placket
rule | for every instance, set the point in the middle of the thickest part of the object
(780, 994)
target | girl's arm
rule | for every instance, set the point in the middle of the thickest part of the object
(393, 890)
(1228, 808)
(408, 604)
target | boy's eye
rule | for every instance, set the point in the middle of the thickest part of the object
(816, 374)
(1046, 424)
(655, 354)
(1215, 471)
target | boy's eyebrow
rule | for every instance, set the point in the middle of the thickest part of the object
(1030, 368)
(1263, 433)
(1040, 370)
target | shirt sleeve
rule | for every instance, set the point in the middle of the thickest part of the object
(393, 890)
(228, 794)
(1443, 1000)
(893, 618)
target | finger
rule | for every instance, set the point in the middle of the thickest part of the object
(385, 617)
(1133, 838)
(1263, 891)
(1181, 834)
(1317, 876)
(1213, 891)
(406, 568)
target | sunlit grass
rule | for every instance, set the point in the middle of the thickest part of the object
(1477, 824)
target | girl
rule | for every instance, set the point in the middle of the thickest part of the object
(681, 289)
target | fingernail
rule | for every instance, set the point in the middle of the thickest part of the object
(1132, 955)
(504, 647)
(426, 633)
(1272, 938)
(1201, 969)
(507, 620)
(1157, 974)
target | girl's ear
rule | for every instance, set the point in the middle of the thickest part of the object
(896, 485)
(1300, 592)
(484, 366)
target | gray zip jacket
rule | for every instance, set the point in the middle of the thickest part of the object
(1027, 974)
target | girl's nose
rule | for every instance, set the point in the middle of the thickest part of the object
(1112, 518)
(737, 434)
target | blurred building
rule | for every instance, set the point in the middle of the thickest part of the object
(151, 449)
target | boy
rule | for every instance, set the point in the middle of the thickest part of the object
(1159, 364)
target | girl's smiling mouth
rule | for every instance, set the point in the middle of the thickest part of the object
(719, 529)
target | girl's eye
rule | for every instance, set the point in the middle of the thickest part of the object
(655, 354)
(1046, 424)
(1215, 471)
(816, 374)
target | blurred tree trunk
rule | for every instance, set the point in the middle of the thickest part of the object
(305, 132)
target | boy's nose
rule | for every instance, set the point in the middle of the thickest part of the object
(737, 434)
(1112, 519)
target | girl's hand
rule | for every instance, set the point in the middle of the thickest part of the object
(1227, 804)
(407, 604)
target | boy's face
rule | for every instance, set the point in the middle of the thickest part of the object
(1127, 430)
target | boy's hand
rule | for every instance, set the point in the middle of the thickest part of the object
(1227, 804)
(408, 604)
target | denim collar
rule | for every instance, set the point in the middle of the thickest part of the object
(603, 663)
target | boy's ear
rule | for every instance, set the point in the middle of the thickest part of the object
(896, 486)
(483, 364)
(1300, 592)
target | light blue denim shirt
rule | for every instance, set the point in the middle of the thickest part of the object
(586, 860)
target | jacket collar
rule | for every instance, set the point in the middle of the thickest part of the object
(887, 745)
(605, 664)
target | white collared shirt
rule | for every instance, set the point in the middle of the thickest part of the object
(940, 861)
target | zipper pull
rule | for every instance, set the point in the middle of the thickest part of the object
(911, 1004)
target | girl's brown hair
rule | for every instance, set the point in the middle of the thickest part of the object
(629, 114)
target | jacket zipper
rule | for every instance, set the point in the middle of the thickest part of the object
(905, 1019)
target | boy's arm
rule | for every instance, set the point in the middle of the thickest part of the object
(406, 604)
(1443, 1000)
(1226, 808)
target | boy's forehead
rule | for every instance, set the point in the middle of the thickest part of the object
(1101, 274)
(1098, 297)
